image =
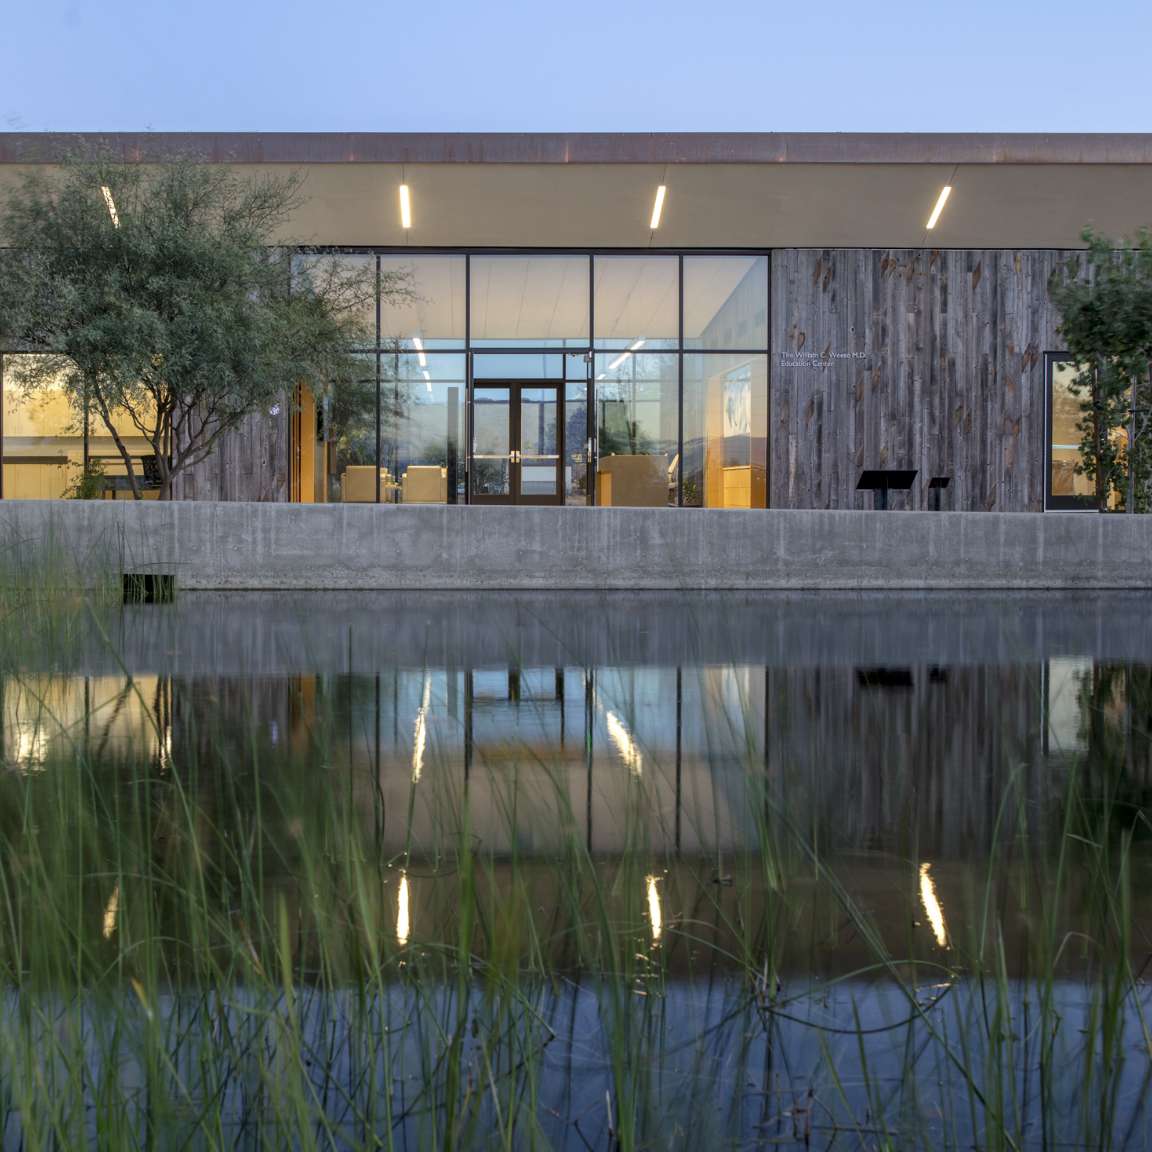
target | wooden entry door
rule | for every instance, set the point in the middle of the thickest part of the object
(517, 443)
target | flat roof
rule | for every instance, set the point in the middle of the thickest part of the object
(585, 147)
(724, 190)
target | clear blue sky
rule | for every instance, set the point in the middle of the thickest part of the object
(577, 65)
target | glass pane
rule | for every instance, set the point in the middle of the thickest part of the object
(637, 402)
(726, 302)
(43, 445)
(422, 301)
(637, 301)
(539, 447)
(350, 278)
(491, 441)
(517, 366)
(530, 301)
(725, 431)
(103, 454)
(576, 443)
(1066, 414)
(422, 399)
(347, 428)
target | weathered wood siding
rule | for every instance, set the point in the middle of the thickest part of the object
(863, 765)
(250, 463)
(923, 359)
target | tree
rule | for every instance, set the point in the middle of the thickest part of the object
(164, 299)
(1106, 309)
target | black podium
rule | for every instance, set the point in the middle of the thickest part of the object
(881, 481)
(936, 488)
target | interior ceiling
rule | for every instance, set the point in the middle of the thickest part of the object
(715, 205)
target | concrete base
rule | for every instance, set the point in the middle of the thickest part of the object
(270, 546)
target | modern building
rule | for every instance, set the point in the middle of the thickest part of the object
(708, 321)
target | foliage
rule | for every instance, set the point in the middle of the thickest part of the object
(89, 484)
(158, 296)
(1106, 309)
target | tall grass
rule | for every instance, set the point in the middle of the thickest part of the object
(202, 944)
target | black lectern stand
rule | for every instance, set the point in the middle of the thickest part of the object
(881, 481)
(936, 488)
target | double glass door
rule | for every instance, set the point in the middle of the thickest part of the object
(517, 443)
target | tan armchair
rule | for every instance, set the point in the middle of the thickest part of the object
(633, 481)
(424, 484)
(358, 484)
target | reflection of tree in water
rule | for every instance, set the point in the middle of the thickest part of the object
(1116, 732)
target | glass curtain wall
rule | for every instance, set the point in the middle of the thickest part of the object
(661, 363)
(41, 438)
(50, 449)
(681, 380)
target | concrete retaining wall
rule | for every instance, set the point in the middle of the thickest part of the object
(227, 545)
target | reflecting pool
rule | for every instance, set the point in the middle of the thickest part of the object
(578, 870)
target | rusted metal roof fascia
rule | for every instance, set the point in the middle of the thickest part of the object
(579, 148)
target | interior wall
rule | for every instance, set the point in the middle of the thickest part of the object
(910, 358)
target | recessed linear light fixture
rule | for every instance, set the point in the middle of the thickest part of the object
(941, 200)
(625, 354)
(428, 382)
(658, 207)
(405, 207)
(106, 192)
(418, 344)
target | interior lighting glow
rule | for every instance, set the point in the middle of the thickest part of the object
(418, 344)
(945, 192)
(405, 207)
(625, 354)
(658, 207)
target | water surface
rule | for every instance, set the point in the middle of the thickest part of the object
(808, 869)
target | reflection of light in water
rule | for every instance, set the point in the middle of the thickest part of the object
(931, 904)
(420, 733)
(655, 915)
(403, 924)
(166, 749)
(31, 749)
(110, 913)
(625, 745)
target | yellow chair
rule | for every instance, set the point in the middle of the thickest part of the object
(358, 484)
(425, 484)
(633, 481)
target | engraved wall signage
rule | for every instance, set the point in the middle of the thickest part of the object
(816, 359)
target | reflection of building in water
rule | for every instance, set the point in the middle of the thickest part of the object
(1064, 683)
(53, 717)
(687, 760)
